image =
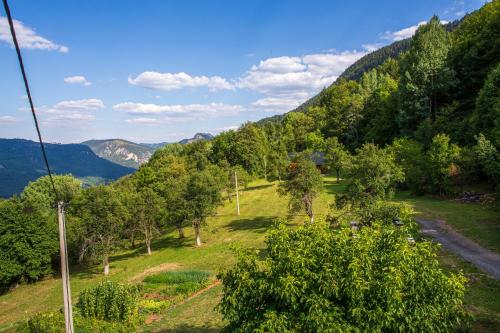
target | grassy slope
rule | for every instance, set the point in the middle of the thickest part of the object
(259, 204)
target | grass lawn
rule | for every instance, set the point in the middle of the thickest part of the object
(260, 204)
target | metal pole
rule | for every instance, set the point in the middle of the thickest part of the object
(237, 194)
(68, 311)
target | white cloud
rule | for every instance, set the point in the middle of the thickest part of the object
(372, 47)
(27, 37)
(403, 33)
(8, 119)
(395, 36)
(173, 81)
(142, 121)
(286, 82)
(227, 128)
(280, 103)
(79, 79)
(180, 111)
(69, 111)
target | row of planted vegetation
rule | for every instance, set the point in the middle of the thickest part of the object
(427, 121)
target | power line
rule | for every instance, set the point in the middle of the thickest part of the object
(26, 85)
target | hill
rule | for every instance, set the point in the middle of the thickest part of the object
(21, 161)
(121, 152)
(131, 154)
(197, 137)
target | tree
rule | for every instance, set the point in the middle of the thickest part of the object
(302, 184)
(440, 161)
(425, 76)
(148, 213)
(202, 197)
(409, 154)
(343, 103)
(337, 157)
(27, 244)
(371, 176)
(486, 115)
(102, 214)
(168, 176)
(487, 158)
(251, 149)
(39, 195)
(299, 124)
(318, 279)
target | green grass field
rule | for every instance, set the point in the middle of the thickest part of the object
(260, 204)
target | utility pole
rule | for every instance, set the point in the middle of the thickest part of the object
(68, 311)
(237, 194)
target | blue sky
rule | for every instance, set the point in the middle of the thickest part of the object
(153, 71)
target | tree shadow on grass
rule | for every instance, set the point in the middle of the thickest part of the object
(257, 224)
(258, 187)
(189, 329)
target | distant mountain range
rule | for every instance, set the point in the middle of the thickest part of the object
(131, 154)
(21, 161)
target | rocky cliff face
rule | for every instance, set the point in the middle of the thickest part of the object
(121, 152)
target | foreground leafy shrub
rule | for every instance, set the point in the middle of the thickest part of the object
(48, 322)
(109, 301)
(318, 279)
(177, 277)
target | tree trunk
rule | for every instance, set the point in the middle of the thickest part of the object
(181, 231)
(148, 244)
(197, 233)
(106, 265)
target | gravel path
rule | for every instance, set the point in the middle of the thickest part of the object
(486, 260)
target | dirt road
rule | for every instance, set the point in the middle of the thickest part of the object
(486, 260)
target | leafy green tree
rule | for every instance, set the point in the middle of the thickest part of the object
(426, 76)
(409, 154)
(102, 215)
(314, 141)
(277, 162)
(203, 196)
(149, 214)
(475, 51)
(344, 103)
(299, 124)
(441, 159)
(378, 124)
(27, 244)
(337, 157)
(488, 159)
(168, 176)
(251, 149)
(318, 279)
(302, 184)
(486, 115)
(372, 175)
(223, 148)
(39, 195)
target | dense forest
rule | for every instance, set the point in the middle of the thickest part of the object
(426, 119)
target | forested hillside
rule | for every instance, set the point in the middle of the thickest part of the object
(21, 162)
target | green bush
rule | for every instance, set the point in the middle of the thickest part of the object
(318, 279)
(48, 322)
(177, 277)
(109, 301)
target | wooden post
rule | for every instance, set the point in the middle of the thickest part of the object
(237, 194)
(68, 311)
